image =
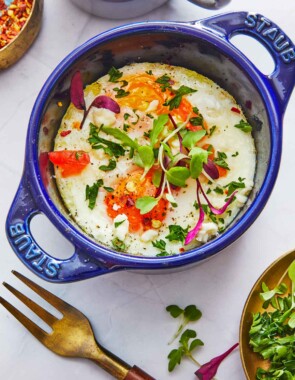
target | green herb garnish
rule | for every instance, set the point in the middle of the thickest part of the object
(161, 245)
(190, 314)
(220, 160)
(178, 175)
(191, 138)
(272, 332)
(114, 74)
(234, 185)
(118, 244)
(121, 93)
(120, 135)
(146, 204)
(91, 193)
(177, 233)
(244, 126)
(186, 347)
(218, 190)
(117, 224)
(197, 120)
(164, 82)
(111, 166)
(212, 130)
(176, 100)
(111, 148)
(158, 127)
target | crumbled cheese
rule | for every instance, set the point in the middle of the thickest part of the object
(116, 207)
(240, 200)
(208, 229)
(148, 235)
(103, 116)
(152, 106)
(121, 231)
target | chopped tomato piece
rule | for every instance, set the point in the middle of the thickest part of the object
(71, 162)
(222, 171)
(210, 149)
(123, 199)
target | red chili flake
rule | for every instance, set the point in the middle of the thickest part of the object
(12, 19)
(234, 109)
(65, 133)
(45, 130)
(248, 104)
(181, 250)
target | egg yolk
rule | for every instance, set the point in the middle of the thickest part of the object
(122, 201)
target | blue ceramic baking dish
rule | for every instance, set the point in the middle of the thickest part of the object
(203, 46)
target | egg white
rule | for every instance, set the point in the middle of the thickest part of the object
(214, 104)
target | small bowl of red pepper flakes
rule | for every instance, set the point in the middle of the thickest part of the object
(20, 22)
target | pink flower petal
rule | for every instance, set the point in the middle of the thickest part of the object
(208, 371)
(76, 91)
(217, 211)
(103, 101)
(193, 233)
(211, 169)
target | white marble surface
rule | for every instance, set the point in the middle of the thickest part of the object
(127, 310)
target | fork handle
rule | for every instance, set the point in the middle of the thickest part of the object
(136, 373)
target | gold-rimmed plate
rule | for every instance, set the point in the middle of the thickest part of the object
(275, 273)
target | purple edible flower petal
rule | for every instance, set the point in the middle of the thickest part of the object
(217, 211)
(211, 169)
(178, 134)
(193, 233)
(76, 91)
(103, 101)
(208, 371)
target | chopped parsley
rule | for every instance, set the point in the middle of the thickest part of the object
(220, 160)
(92, 192)
(212, 130)
(164, 82)
(197, 120)
(161, 245)
(177, 233)
(234, 185)
(126, 116)
(114, 74)
(244, 126)
(111, 148)
(118, 244)
(117, 224)
(218, 190)
(111, 166)
(108, 189)
(176, 100)
(121, 93)
(235, 154)
(126, 127)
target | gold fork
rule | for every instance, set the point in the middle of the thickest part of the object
(71, 335)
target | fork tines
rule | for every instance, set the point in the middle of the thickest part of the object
(47, 317)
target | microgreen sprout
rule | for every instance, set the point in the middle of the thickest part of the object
(186, 347)
(189, 314)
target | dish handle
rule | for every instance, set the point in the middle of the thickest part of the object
(23, 209)
(279, 45)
